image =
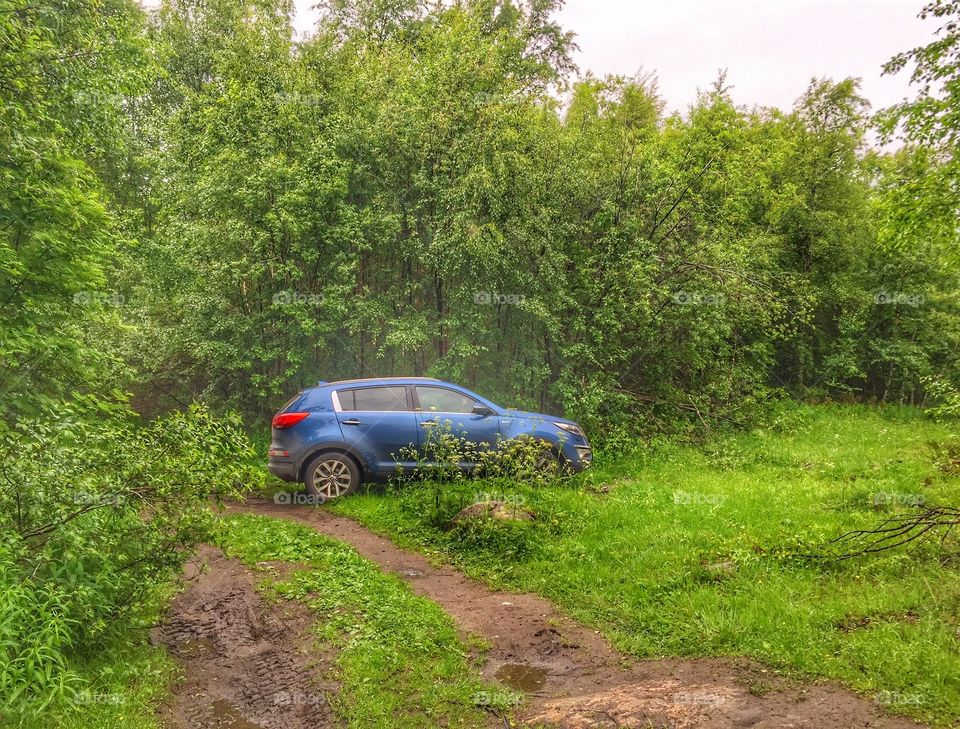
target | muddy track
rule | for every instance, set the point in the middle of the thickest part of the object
(574, 678)
(247, 664)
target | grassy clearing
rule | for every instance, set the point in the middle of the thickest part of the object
(688, 552)
(399, 662)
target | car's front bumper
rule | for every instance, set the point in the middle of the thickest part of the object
(577, 457)
(585, 455)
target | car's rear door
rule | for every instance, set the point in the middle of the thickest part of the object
(378, 422)
(446, 409)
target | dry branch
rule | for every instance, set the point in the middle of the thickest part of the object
(894, 532)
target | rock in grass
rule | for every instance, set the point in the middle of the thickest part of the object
(500, 510)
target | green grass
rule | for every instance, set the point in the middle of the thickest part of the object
(120, 687)
(125, 684)
(638, 562)
(399, 661)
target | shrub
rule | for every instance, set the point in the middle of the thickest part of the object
(98, 511)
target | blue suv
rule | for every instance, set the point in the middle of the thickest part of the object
(336, 435)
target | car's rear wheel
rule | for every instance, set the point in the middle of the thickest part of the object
(332, 476)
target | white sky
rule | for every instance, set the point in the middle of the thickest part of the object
(770, 48)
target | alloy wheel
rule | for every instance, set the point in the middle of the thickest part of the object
(332, 478)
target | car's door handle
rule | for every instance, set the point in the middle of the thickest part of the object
(428, 423)
(350, 421)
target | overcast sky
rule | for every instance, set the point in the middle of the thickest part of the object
(770, 48)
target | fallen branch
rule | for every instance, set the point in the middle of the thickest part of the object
(895, 532)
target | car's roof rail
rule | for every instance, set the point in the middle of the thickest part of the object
(375, 379)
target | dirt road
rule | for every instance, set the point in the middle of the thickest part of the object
(247, 664)
(571, 675)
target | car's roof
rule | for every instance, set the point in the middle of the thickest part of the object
(361, 380)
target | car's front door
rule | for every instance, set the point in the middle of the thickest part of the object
(442, 409)
(378, 422)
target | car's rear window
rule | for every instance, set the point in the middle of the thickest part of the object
(380, 399)
(291, 401)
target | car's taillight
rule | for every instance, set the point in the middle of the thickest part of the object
(286, 420)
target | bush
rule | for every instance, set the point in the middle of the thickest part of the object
(97, 512)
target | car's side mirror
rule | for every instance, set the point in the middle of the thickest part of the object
(480, 409)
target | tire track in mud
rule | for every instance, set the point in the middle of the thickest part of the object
(573, 678)
(247, 664)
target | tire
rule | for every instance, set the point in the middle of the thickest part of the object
(549, 463)
(332, 476)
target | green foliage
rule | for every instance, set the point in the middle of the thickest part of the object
(399, 658)
(430, 507)
(947, 399)
(98, 512)
(444, 451)
(502, 472)
(123, 680)
(59, 114)
(930, 124)
(401, 193)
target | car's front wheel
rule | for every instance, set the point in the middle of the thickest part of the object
(549, 463)
(332, 475)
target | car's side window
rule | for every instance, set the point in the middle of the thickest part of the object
(442, 400)
(374, 399)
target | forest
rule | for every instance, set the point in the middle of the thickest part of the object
(201, 213)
